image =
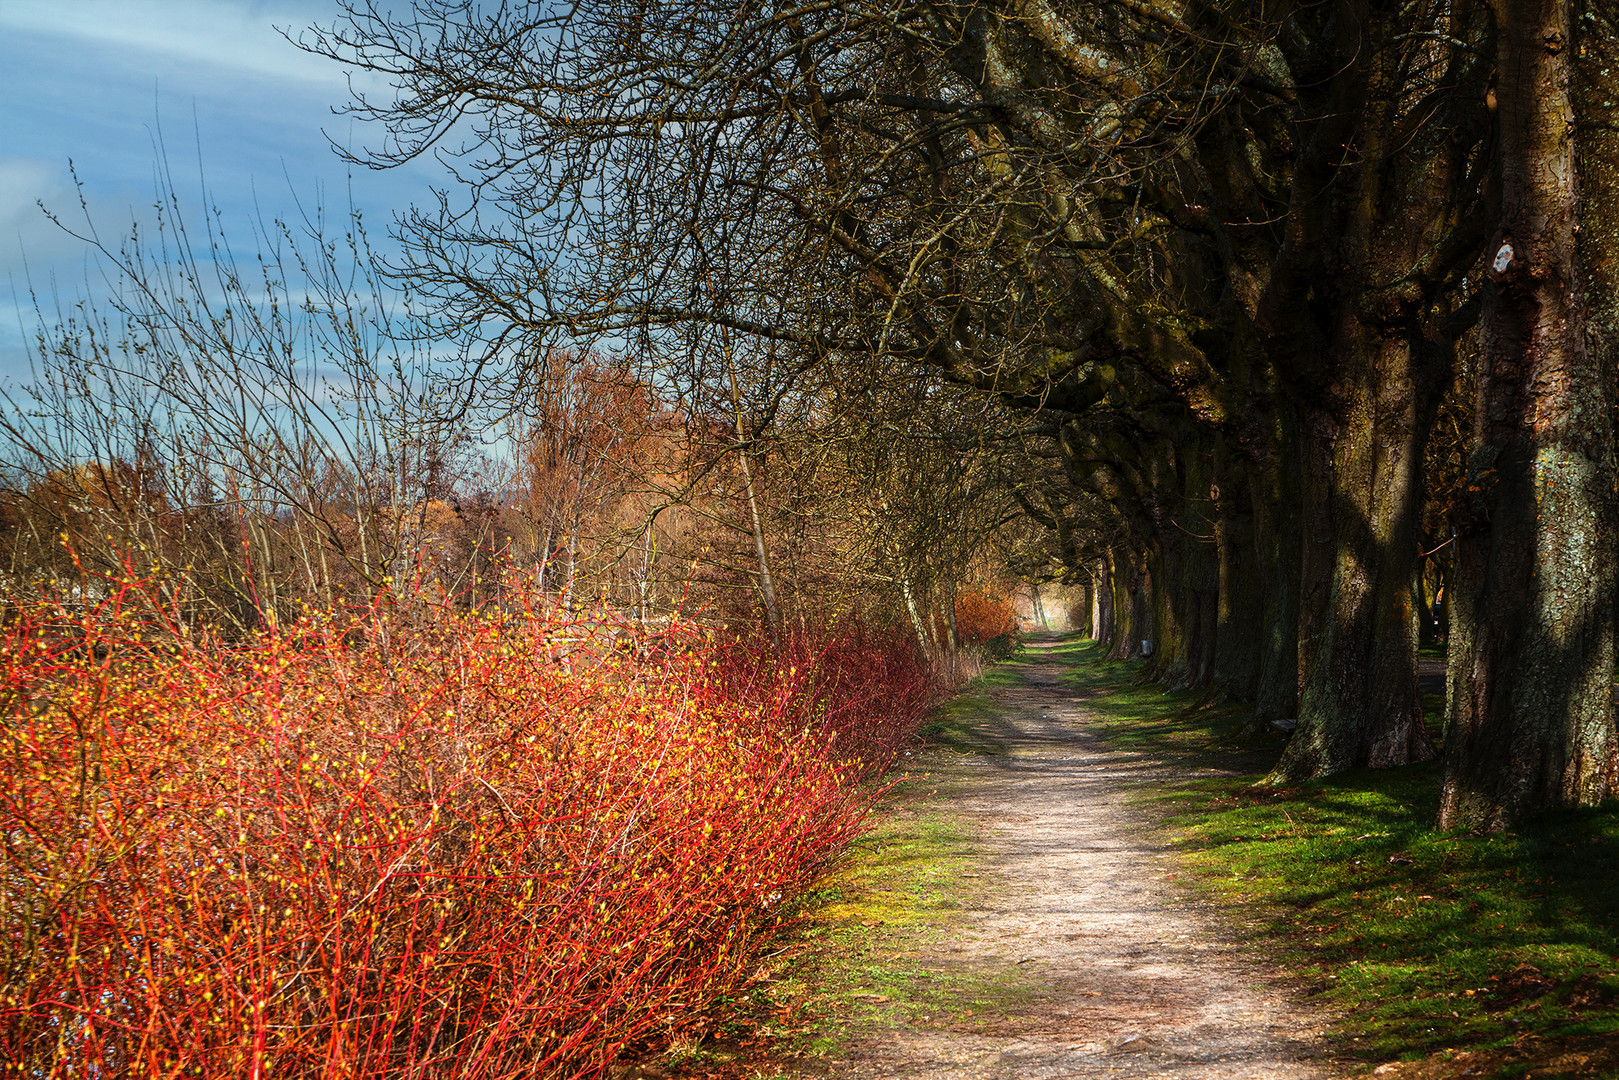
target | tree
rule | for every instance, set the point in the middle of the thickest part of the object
(1218, 257)
(247, 427)
(1533, 627)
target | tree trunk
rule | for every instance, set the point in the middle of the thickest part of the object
(1127, 622)
(1187, 571)
(767, 586)
(1240, 615)
(1279, 544)
(1426, 634)
(1142, 640)
(1103, 626)
(923, 637)
(1358, 703)
(1532, 626)
(1164, 610)
(1201, 567)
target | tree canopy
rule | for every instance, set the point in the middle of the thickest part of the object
(1281, 329)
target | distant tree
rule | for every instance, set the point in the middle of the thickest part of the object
(248, 427)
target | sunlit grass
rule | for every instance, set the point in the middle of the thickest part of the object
(1423, 940)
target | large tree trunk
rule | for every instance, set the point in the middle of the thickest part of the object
(1533, 622)
(1103, 627)
(1359, 704)
(1199, 581)
(1278, 544)
(1165, 610)
(1124, 578)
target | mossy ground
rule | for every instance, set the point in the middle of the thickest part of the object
(1426, 943)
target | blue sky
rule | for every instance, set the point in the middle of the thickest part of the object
(94, 80)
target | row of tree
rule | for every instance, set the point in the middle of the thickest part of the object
(265, 429)
(1215, 268)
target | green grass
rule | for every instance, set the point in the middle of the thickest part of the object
(967, 723)
(897, 897)
(1422, 941)
(859, 956)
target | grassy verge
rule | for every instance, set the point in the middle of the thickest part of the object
(1464, 955)
(863, 956)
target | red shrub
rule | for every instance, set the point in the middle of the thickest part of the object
(980, 617)
(363, 849)
(867, 690)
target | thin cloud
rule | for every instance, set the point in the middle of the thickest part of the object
(217, 33)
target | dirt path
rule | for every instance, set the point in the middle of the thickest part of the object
(1134, 977)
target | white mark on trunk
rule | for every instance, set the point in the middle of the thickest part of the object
(1503, 258)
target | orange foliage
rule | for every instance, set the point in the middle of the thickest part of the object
(980, 617)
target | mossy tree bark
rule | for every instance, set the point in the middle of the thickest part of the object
(1102, 618)
(1359, 704)
(1533, 623)
(1278, 495)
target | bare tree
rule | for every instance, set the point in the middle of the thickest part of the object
(249, 425)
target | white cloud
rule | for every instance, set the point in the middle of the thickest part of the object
(218, 33)
(21, 183)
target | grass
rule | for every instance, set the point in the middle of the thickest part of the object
(1424, 943)
(862, 958)
(899, 896)
(968, 722)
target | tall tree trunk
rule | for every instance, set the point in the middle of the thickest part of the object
(1533, 621)
(1103, 623)
(1426, 635)
(915, 612)
(767, 585)
(1165, 610)
(1177, 617)
(1200, 574)
(1359, 704)
(1240, 615)
(1122, 581)
(1279, 546)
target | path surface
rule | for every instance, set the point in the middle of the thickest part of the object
(1138, 979)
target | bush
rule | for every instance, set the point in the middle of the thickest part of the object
(981, 618)
(371, 847)
(1001, 648)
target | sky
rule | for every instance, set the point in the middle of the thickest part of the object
(99, 82)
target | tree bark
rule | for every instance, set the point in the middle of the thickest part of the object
(767, 585)
(1358, 704)
(1103, 626)
(1533, 621)
(1279, 545)
(1240, 617)
(1123, 580)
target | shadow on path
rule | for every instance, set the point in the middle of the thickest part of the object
(1136, 978)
